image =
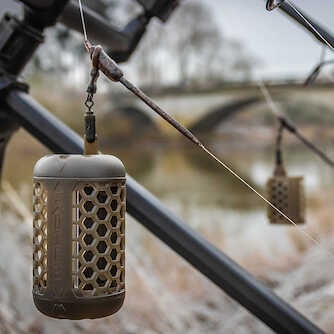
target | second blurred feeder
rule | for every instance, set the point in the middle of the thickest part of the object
(284, 192)
(287, 194)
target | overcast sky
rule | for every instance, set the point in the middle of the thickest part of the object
(283, 47)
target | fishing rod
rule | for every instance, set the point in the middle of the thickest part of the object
(101, 61)
(328, 41)
(142, 205)
(320, 33)
(288, 125)
(286, 6)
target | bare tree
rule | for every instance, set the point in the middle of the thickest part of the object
(189, 50)
(192, 48)
(64, 49)
(196, 40)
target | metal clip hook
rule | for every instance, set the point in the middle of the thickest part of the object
(272, 4)
(102, 62)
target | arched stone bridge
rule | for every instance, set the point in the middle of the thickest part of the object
(205, 111)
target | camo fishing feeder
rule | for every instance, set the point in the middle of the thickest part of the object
(79, 232)
(284, 192)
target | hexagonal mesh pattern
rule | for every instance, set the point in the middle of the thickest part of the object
(99, 238)
(39, 238)
(287, 195)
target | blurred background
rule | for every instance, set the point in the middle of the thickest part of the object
(203, 66)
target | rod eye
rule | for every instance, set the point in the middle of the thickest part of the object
(272, 4)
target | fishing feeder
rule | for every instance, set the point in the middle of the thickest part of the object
(79, 233)
(285, 193)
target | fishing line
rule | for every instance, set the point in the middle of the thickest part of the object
(308, 236)
(274, 108)
(114, 73)
(196, 141)
(83, 21)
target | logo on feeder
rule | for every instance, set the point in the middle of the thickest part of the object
(59, 255)
(59, 308)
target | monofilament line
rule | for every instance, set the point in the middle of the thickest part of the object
(230, 170)
(83, 21)
(186, 133)
(273, 107)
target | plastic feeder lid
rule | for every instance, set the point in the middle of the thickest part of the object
(78, 166)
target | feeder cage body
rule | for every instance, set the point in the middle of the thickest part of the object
(79, 235)
(287, 194)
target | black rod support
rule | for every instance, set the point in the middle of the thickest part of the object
(100, 29)
(18, 43)
(151, 213)
(290, 11)
(121, 43)
(38, 4)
